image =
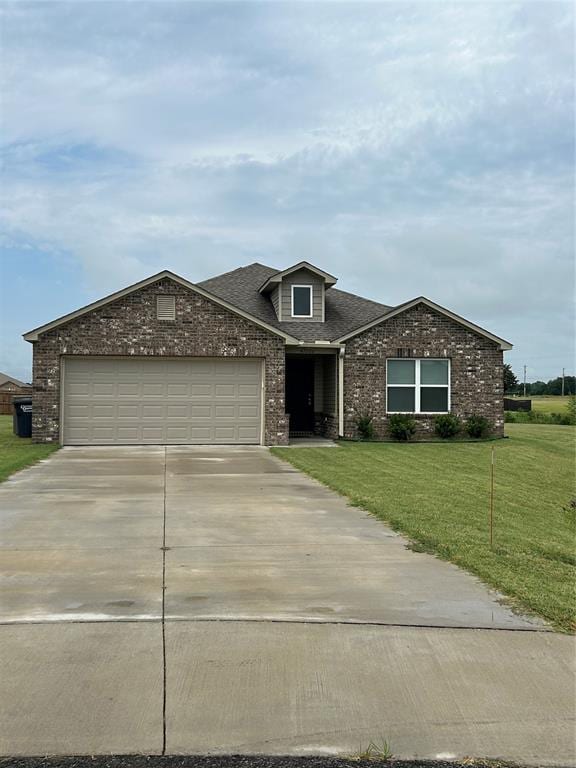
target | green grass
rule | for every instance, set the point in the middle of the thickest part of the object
(549, 403)
(438, 495)
(546, 403)
(18, 452)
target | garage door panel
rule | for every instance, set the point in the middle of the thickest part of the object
(152, 389)
(78, 388)
(177, 389)
(224, 390)
(79, 411)
(153, 411)
(126, 411)
(200, 390)
(177, 411)
(126, 389)
(224, 434)
(248, 412)
(248, 390)
(185, 401)
(131, 434)
(225, 411)
(100, 388)
(102, 432)
(247, 434)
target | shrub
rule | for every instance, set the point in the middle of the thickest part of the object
(477, 426)
(402, 426)
(538, 417)
(365, 426)
(447, 425)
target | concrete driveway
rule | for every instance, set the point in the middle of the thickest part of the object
(216, 600)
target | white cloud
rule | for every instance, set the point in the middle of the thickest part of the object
(408, 148)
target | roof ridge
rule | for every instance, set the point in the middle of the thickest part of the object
(236, 269)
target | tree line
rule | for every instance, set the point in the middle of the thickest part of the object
(552, 387)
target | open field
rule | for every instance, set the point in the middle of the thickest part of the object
(549, 403)
(546, 403)
(18, 452)
(438, 494)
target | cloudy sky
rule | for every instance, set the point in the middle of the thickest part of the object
(406, 148)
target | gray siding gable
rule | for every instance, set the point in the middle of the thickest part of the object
(302, 277)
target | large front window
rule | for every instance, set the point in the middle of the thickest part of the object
(418, 386)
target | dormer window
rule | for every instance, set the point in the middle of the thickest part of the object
(298, 293)
(301, 301)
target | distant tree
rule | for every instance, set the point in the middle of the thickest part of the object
(510, 380)
(536, 388)
(554, 386)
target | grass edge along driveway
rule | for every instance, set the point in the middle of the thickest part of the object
(18, 452)
(437, 494)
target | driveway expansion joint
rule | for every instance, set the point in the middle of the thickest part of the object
(274, 620)
(164, 549)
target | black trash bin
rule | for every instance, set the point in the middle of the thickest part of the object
(22, 418)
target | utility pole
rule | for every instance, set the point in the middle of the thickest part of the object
(524, 381)
(563, 369)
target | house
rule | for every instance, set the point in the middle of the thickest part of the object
(13, 385)
(254, 356)
(9, 387)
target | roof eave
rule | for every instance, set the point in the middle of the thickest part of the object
(502, 343)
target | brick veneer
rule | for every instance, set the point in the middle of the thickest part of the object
(128, 327)
(476, 369)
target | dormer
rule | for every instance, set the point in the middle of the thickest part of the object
(298, 293)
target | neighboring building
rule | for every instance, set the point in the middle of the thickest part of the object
(9, 388)
(10, 384)
(253, 356)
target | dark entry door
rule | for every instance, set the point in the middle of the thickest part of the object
(300, 394)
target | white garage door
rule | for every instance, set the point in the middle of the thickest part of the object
(183, 401)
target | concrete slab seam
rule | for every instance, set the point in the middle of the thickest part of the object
(278, 620)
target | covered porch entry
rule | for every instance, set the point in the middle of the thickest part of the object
(312, 403)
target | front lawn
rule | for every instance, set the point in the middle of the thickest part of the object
(18, 452)
(438, 495)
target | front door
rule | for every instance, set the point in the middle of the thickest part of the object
(300, 393)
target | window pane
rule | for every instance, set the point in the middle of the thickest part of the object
(401, 371)
(434, 399)
(434, 372)
(301, 301)
(401, 399)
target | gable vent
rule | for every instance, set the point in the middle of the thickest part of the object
(403, 352)
(166, 307)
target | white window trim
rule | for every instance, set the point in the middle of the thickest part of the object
(310, 291)
(417, 385)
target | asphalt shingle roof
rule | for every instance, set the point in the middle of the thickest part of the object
(4, 378)
(344, 311)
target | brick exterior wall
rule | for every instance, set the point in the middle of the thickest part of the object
(128, 327)
(476, 369)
